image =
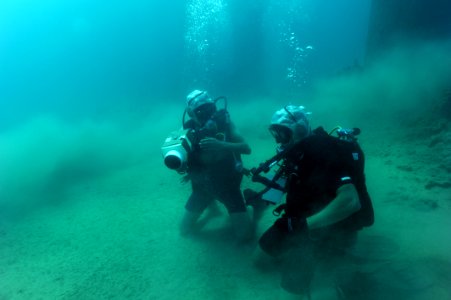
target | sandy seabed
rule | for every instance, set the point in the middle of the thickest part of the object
(116, 237)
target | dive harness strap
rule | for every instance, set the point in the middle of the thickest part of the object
(279, 209)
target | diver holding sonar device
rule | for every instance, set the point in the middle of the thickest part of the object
(275, 181)
(326, 201)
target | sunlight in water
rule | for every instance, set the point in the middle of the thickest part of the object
(206, 24)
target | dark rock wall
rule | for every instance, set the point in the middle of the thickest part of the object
(399, 21)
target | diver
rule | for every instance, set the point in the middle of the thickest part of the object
(326, 200)
(214, 164)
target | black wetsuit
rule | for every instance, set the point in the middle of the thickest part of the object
(218, 178)
(315, 170)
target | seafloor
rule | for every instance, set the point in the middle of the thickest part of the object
(116, 236)
(83, 233)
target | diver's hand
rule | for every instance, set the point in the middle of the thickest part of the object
(185, 179)
(212, 144)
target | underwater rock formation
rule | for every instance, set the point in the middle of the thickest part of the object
(395, 22)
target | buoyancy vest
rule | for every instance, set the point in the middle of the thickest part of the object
(315, 164)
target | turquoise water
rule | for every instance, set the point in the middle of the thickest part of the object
(79, 58)
(89, 91)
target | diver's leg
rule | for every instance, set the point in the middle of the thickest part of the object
(213, 210)
(255, 201)
(240, 214)
(196, 204)
(242, 225)
(286, 253)
(189, 221)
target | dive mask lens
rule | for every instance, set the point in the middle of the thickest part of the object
(204, 112)
(281, 134)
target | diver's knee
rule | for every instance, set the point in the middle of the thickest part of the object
(242, 225)
(188, 223)
(263, 261)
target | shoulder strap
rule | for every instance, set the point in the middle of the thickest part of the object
(222, 117)
(320, 131)
(190, 124)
